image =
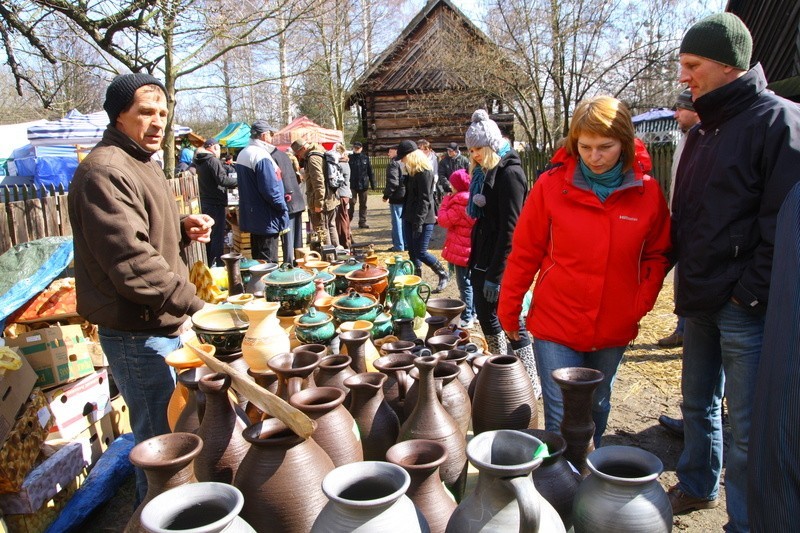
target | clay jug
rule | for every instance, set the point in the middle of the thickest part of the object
(265, 337)
(236, 360)
(266, 380)
(449, 390)
(467, 374)
(332, 371)
(397, 266)
(202, 507)
(167, 462)
(434, 323)
(504, 397)
(182, 359)
(396, 366)
(404, 329)
(505, 498)
(429, 420)
(221, 431)
(294, 371)
(377, 423)
(417, 293)
(336, 432)
(422, 459)
(439, 343)
(281, 478)
(555, 480)
(368, 497)
(577, 427)
(622, 494)
(320, 349)
(233, 269)
(401, 305)
(192, 413)
(355, 342)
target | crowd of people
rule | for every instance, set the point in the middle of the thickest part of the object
(593, 240)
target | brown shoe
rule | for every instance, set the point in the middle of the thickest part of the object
(673, 341)
(682, 502)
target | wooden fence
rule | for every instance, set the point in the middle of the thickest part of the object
(30, 212)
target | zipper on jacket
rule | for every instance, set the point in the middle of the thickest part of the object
(639, 269)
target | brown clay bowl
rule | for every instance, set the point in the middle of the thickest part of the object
(447, 307)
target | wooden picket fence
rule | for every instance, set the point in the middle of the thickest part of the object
(30, 212)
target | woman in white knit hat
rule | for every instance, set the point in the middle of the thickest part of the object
(497, 191)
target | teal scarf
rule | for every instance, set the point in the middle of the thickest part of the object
(475, 205)
(603, 184)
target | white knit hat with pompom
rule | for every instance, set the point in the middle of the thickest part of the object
(483, 132)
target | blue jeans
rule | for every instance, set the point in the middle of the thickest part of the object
(396, 211)
(552, 356)
(717, 348)
(417, 245)
(465, 291)
(146, 382)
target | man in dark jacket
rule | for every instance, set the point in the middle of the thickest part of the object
(395, 194)
(130, 275)
(262, 204)
(736, 169)
(452, 161)
(361, 176)
(214, 182)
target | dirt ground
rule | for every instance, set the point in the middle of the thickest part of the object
(647, 385)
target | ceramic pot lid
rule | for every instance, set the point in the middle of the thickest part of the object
(326, 277)
(348, 266)
(354, 300)
(312, 317)
(367, 272)
(287, 275)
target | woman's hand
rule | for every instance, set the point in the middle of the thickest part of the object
(513, 335)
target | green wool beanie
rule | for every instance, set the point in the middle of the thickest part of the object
(722, 38)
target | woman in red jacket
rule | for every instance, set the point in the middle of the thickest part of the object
(457, 243)
(595, 229)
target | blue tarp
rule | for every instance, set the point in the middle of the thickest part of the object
(49, 165)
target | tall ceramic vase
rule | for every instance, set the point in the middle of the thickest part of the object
(233, 268)
(221, 431)
(355, 342)
(449, 390)
(622, 494)
(396, 366)
(377, 423)
(202, 507)
(368, 496)
(336, 431)
(265, 338)
(332, 371)
(281, 478)
(505, 498)
(167, 462)
(577, 427)
(422, 459)
(192, 413)
(504, 397)
(430, 420)
(294, 370)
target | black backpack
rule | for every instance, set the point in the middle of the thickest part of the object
(330, 168)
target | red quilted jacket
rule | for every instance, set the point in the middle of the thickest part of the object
(454, 218)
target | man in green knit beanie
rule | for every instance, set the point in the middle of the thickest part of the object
(736, 169)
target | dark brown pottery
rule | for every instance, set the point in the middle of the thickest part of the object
(439, 343)
(335, 432)
(233, 268)
(221, 431)
(447, 307)
(294, 371)
(577, 427)
(192, 414)
(434, 323)
(477, 364)
(332, 371)
(467, 375)
(355, 342)
(266, 380)
(404, 329)
(453, 329)
(320, 349)
(429, 420)
(397, 347)
(281, 479)
(238, 363)
(377, 423)
(554, 479)
(422, 459)
(396, 366)
(504, 397)
(167, 462)
(449, 390)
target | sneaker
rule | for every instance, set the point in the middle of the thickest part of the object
(466, 324)
(363, 226)
(672, 341)
(682, 502)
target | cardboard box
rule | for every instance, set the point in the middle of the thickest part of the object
(45, 481)
(39, 521)
(97, 354)
(93, 441)
(120, 416)
(77, 405)
(58, 354)
(18, 454)
(15, 389)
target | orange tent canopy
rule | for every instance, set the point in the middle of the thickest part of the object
(304, 127)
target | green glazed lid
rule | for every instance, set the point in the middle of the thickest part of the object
(347, 267)
(288, 275)
(353, 300)
(326, 277)
(245, 264)
(312, 317)
(381, 318)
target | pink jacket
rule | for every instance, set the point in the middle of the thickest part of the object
(453, 217)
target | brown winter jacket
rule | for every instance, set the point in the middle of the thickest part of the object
(318, 195)
(130, 273)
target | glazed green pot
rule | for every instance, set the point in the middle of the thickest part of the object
(381, 326)
(314, 327)
(291, 287)
(354, 306)
(340, 271)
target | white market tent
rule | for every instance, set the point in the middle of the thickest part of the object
(77, 129)
(13, 136)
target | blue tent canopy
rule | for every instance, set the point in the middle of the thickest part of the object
(235, 135)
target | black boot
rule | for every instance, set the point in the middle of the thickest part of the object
(444, 277)
(418, 271)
